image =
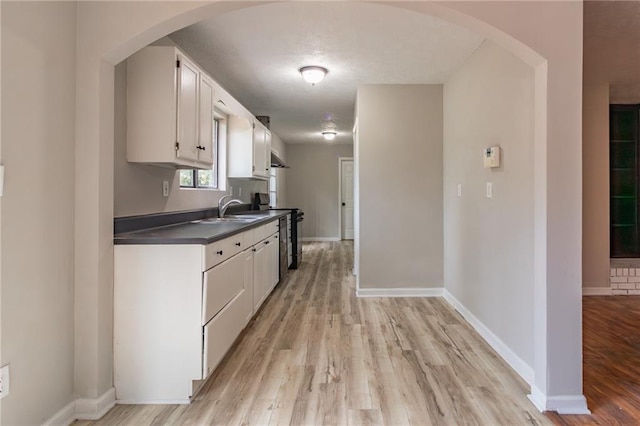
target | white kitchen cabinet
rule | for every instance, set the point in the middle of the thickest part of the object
(179, 308)
(220, 285)
(157, 322)
(206, 122)
(169, 110)
(274, 261)
(260, 274)
(249, 149)
(248, 277)
(267, 154)
(167, 301)
(266, 265)
(224, 328)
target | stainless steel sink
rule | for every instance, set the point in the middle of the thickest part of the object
(226, 219)
(246, 216)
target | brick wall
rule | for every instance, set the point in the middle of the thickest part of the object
(625, 281)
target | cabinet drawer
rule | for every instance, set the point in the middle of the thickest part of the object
(222, 331)
(220, 285)
(249, 237)
(259, 234)
(222, 250)
(272, 227)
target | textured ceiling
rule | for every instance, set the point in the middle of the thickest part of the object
(612, 42)
(255, 54)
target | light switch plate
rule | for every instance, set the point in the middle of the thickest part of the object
(165, 188)
(459, 190)
(489, 190)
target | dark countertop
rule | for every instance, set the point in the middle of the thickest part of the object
(197, 232)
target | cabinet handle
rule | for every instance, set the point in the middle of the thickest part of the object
(276, 237)
(219, 252)
(253, 250)
(238, 244)
(266, 242)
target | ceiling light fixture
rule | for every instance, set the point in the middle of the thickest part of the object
(329, 135)
(313, 74)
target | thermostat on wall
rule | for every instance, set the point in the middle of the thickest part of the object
(491, 157)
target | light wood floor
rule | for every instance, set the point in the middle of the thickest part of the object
(317, 355)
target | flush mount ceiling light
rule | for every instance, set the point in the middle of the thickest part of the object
(313, 74)
(329, 135)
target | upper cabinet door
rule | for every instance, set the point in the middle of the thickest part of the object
(187, 125)
(259, 150)
(267, 153)
(206, 134)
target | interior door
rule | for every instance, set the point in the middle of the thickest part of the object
(346, 184)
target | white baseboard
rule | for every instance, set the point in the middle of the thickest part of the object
(64, 417)
(94, 409)
(596, 291)
(153, 401)
(399, 292)
(522, 368)
(320, 239)
(566, 404)
(84, 409)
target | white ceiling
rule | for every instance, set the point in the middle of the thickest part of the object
(612, 44)
(255, 54)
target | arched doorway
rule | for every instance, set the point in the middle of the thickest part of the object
(110, 32)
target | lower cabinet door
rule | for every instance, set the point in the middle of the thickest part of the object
(260, 274)
(222, 331)
(247, 257)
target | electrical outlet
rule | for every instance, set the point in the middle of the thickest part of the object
(459, 190)
(4, 381)
(239, 192)
(165, 188)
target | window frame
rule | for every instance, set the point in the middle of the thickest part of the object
(273, 177)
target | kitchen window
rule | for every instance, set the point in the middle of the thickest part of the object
(205, 179)
(273, 192)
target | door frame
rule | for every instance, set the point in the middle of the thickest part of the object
(340, 161)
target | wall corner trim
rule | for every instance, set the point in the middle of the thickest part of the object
(94, 409)
(84, 409)
(522, 368)
(565, 404)
(400, 292)
(596, 291)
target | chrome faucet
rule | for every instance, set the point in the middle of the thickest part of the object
(223, 206)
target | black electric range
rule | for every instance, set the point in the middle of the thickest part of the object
(261, 202)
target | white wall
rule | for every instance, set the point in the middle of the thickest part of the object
(38, 98)
(595, 190)
(488, 243)
(400, 185)
(312, 185)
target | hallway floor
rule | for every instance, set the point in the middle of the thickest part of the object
(611, 342)
(317, 355)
